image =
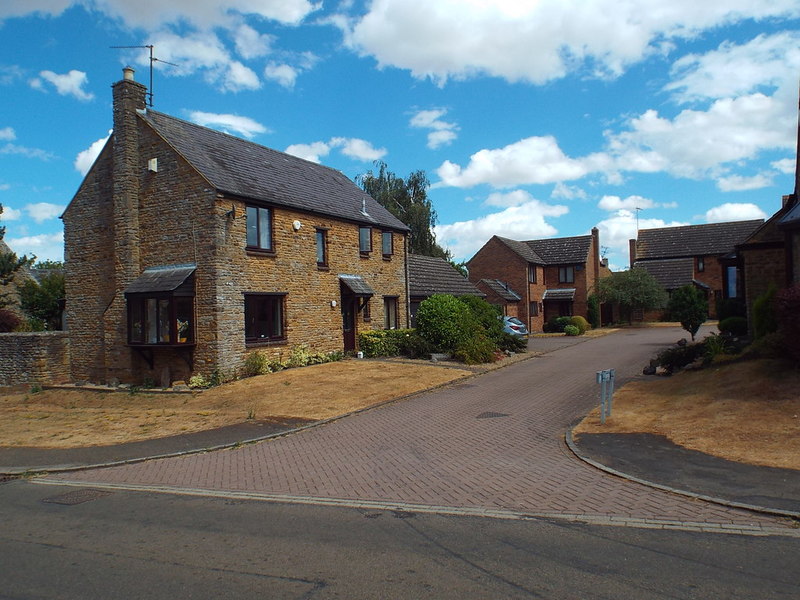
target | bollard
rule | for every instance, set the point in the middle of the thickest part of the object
(606, 380)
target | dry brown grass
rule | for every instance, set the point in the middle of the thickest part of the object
(744, 411)
(72, 418)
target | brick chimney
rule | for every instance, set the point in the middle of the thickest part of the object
(632, 251)
(596, 253)
(129, 96)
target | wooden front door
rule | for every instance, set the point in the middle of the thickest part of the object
(349, 311)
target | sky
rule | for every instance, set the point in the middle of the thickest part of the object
(531, 118)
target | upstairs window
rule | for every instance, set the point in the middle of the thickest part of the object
(259, 228)
(387, 244)
(701, 264)
(263, 317)
(531, 273)
(365, 240)
(566, 274)
(322, 248)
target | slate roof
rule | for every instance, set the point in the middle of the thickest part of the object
(428, 275)
(357, 285)
(791, 218)
(242, 168)
(160, 279)
(501, 289)
(559, 294)
(693, 240)
(552, 251)
(670, 273)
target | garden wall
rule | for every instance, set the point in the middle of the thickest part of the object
(34, 357)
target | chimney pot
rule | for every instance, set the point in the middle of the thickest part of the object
(127, 73)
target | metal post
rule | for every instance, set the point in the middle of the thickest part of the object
(606, 380)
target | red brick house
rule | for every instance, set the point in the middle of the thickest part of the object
(187, 248)
(553, 277)
(699, 255)
(501, 294)
(428, 275)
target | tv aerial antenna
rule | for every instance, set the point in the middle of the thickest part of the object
(153, 59)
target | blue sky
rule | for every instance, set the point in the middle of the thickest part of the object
(531, 118)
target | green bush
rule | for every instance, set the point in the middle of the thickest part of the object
(512, 343)
(733, 326)
(476, 349)
(414, 345)
(572, 330)
(384, 342)
(688, 305)
(764, 318)
(593, 310)
(256, 363)
(770, 345)
(556, 324)
(677, 357)
(581, 323)
(446, 322)
(488, 315)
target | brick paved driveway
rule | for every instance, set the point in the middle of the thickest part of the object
(494, 443)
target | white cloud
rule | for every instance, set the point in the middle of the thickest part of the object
(46, 246)
(85, 159)
(44, 211)
(19, 8)
(313, 151)
(26, 152)
(531, 160)
(734, 212)
(284, 74)
(68, 84)
(631, 203)
(10, 214)
(784, 165)
(523, 222)
(738, 183)
(506, 199)
(4, 187)
(618, 230)
(233, 124)
(250, 43)
(535, 40)
(442, 132)
(358, 149)
(562, 190)
(7, 134)
(238, 77)
(733, 70)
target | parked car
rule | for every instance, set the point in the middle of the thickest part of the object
(514, 326)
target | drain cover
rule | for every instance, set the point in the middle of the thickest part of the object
(76, 497)
(491, 415)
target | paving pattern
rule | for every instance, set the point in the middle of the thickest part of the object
(494, 443)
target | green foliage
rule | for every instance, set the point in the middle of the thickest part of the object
(42, 300)
(688, 305)
(677, 357)
(593, 310)
(488, 315)
(581, 323)
(476, 349)
(733, 326)
(764, 318)
(199, 381)
(256, 363)
(408, 201)
(556, 324)
(512, 343)
(634, 289)
(571, 330)
(787, 306)
(384, 342)
(714, 345)
(769, 345)
(445, 322)
(8, 321)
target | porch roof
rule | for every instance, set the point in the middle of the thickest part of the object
(559, 294)
(160, 279)
(357, 285)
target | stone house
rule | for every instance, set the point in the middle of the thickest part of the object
(699, 255)
(186, 249)
(554, 277)
(428, 275)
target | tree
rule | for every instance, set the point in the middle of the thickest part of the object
(689, 306)
(634, 289)
(10, 264)
(41, 300)
(408, 201)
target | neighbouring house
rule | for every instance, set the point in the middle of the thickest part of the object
(699, 255)
(187, 249)
(428, 275)
(500, 294)
(771, 255)
(554, 277)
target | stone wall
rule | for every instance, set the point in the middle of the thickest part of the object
(38, 357)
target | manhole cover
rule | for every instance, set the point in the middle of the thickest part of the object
(76, 497)
(491, 415)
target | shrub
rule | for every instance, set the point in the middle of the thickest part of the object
(764, 319)
(581, 323)
(414, 345)
(688, 305)
(256, 363)
(731, 307)
(733, 326)
(714, 345)
(445, 322)
(593, 310)
(475, 350)
(571, 330)
(787, 306)
(512, 343)
(8, 321)
(677, 357)
(489, 316)
(556, 324)
(199, 381)
(770, 345)
(379, 342)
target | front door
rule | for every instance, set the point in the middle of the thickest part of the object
(349, 321)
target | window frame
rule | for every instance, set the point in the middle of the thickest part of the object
(138, 305)
(259, 210)
(533, 308)
(566, 274)
(278, 298)
(361, 248)
(391, 312)
(531, 273)
(384, 236)
(701, 264)
(322, 235)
